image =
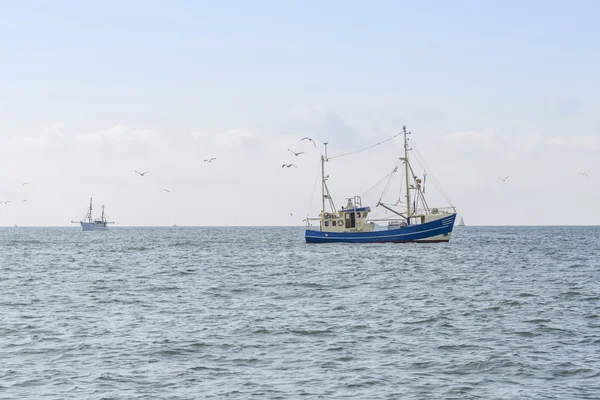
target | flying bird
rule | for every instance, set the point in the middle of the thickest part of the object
(210, 160)
(25, 183)
(5, 202)
(504, 179)
(166, 190)
(288, 165)
(291, 214)
(23, 201)
(142, 173)
(582, 173)
(307, 138)
(296, 154)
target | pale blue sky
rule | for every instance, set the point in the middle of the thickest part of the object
(479, 75)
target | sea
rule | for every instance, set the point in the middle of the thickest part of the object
(256, 313)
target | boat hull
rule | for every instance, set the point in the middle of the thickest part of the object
(439, 230)
(86, 226)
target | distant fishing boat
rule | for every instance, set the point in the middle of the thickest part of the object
(461, 222)
(90, 224)
(415, 221)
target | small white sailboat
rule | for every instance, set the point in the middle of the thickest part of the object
(461, 222)
(90, 224)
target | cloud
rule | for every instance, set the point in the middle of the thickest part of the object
(428, 114)
(51, 135)
(231, 139)
(101, 163)
(120, 133)
(583, 142)
(485, 140)
(333, 126)
(489, 141)
(53, 129)
(323, 125)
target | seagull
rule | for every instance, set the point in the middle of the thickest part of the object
(23, 201)
(5, 202)
(210, 160)
(166, 190)
(25, 183)
(307, 138)
(582, 173)
(504, 179)
(291, 214)
(142, 173)
(288, 165)
(296, 154)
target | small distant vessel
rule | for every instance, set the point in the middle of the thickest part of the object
(90, 224)
(415, 221)
(461, 222)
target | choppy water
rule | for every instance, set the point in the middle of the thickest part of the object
(256, 313)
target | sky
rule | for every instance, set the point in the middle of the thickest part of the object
(91, 92)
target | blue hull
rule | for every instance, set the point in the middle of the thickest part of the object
(434, 231)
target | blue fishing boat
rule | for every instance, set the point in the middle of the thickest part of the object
(413, 220)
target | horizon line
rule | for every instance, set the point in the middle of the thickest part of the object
(277, 226)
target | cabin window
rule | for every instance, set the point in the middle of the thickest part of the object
(326, 223)
(357, 215)
(340, 223)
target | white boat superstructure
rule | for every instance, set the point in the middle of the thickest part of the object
(90, 224)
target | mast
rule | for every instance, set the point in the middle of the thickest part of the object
(406, 167)
(323, 184)
(323, 158)
(103, 213)
(90, 212)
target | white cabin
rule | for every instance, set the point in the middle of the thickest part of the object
(352, 218)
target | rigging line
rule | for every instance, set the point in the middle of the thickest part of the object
(378, 183)
(434, 180)
(398, 201)
(421, 160)
(372, 188)
(365, 148)
(313, 194)
(387, 186)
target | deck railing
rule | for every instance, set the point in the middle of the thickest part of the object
(434, 210)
